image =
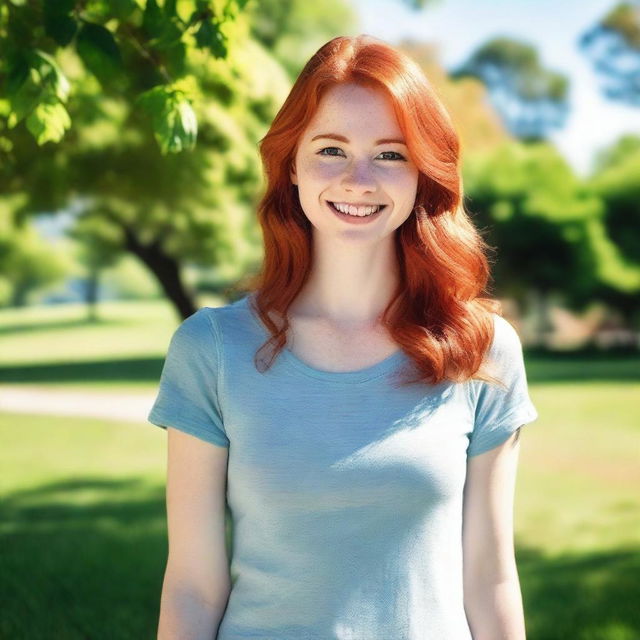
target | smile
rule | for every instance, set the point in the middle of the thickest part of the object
(356, 212)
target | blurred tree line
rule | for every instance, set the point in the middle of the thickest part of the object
(143, 117)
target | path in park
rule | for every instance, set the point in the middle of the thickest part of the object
(91, 404)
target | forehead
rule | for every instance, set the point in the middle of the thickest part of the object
(355, 110)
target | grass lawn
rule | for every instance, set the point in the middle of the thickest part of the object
(82, 515)
(56, 346)
(83, 535)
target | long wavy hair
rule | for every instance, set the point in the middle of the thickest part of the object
(436, 315)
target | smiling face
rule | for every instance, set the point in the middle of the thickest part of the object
(352, 154)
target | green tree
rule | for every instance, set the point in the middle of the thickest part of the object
(135, 48)
(465, 99)
(530, 99)
(613, 45)
(294, 30)
(550, 228)
(616, 183)
(128, 165)
(28, 264)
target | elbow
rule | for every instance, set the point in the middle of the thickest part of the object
(189, 615)
(494, 609)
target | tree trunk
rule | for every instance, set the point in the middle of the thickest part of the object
(166, 269)
(19, 295)
(91, 292)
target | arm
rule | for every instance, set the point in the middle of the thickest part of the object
(492, 597)
(196, 581)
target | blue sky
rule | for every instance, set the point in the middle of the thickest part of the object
(458, 27)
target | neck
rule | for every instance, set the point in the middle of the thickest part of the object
(349, 285)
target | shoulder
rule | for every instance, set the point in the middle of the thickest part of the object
(506, 342)
(197, 336)
(229, 323)
(502, 360)
(209, 320)
(199, 325)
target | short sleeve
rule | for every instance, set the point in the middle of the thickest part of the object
(499, 411)
(187, 397)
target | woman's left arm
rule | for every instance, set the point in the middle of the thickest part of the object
(492, 597)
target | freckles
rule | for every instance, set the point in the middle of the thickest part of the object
(398, 176)
(322, 170)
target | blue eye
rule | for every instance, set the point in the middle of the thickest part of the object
(321, 153)
(400, 157)
(326, 149)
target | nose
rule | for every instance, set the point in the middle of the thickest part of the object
(359, 177)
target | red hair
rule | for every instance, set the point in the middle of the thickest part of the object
(436, 314)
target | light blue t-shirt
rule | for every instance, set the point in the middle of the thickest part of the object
(346, 492)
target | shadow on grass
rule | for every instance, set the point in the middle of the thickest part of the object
(95, 571)
(541, 367)
(80, 323)
(129, 370)
(83, 559)
(582, 366)
(588, 596)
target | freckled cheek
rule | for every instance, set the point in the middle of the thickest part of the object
(322, 170)
(409, 179)
(400, 182)
(410, 182)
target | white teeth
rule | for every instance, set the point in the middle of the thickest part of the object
(355, 211)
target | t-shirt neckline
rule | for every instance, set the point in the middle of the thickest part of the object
(360, 375)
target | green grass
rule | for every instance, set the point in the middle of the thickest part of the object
(578, 513)
(82, 514)
(58, 346)
(83, 528)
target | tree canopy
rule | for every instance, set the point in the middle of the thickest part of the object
(531, 99)
(613, 45)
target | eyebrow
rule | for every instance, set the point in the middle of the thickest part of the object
(337, 136)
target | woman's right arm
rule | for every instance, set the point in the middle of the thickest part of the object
(196, 583)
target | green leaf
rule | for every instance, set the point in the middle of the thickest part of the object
(51, 74)
(153, 100)
(176, 56)
(99, 51)
(173, 120)
(24, 100)
(122, 9)
(18, 71)
(42, 82)
(58, 24)
(48, 122)
(178, 128)
(204, 34)
(170, 34)
(60, 27)
(210, 36)
(186, 123)
(153, 19)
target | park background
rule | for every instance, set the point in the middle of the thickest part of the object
(129, 176)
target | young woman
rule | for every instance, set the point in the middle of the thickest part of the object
(358, 410)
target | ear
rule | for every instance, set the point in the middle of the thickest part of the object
(292, 174)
